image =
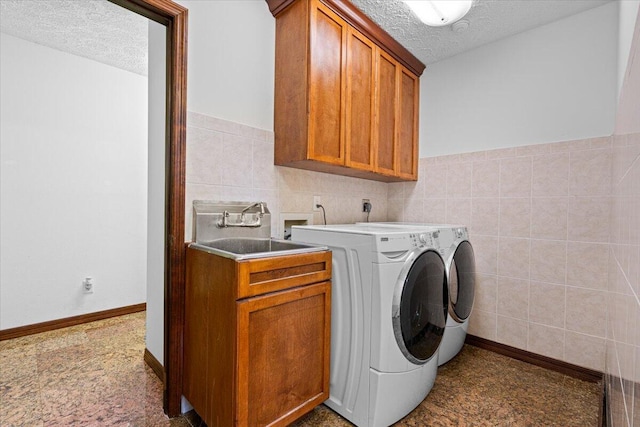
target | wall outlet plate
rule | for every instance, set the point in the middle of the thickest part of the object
(316, 201)
(87, 285)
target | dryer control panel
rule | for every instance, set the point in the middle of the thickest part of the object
(427, 240)
(419, 240)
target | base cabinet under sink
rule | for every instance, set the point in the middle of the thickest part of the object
(257, 335)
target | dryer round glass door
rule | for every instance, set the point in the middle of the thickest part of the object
(462, 282)
(420, 307)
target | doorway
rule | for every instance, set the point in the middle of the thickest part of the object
(173, 17)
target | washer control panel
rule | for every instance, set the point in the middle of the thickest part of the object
(421, 240)
(461, 233)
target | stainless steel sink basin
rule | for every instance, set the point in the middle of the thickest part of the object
(240, 248)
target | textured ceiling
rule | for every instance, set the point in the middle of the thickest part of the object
(102, 31)
(94, 29)
(489, 20)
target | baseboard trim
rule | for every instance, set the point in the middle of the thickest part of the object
(565, 368)
(51, 325)
(154, 364)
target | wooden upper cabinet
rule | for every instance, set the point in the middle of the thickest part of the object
(346, 93)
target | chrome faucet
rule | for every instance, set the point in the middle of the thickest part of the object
(224, 221)
(257, 204)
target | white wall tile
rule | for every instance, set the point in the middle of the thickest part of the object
(435, 211)
(515, 177)
(546, 340)
(512, 332)
(549, 218)
(486, 179)
(459, 211)
(236, 161)
(550, 176)
(590, 173)
(486, 253)
(547, 304)
(535, 214)
(585, 350)
(549, 261)
(483, 324)
(588, 219)
(513, 257)
(486, 293)
(586, 311)
(513, 298)
(485, 215)
(515, 217)
(587, 265)
(459, 180)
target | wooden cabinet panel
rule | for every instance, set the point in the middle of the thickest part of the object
(209, 349)
(328, 34)
(359, 144)
(408, 126)
(284, 337)
(291, 94)
(386, 103)
(275, 274)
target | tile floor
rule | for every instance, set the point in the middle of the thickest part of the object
(94, 375)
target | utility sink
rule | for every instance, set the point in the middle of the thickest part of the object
(240, 248)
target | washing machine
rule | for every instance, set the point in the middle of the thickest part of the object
(389, 312)
(461, 276)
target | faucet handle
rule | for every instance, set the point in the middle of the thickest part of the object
(254, 205)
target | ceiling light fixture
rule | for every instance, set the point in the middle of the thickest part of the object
(437, 13)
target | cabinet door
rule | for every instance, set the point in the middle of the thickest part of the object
(283, 355)
(386, 106)
(359, 150)
(407, 148)
(326, 85)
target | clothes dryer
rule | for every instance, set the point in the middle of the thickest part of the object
(389, 311)
(461, 277)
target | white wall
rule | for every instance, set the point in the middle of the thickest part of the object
(73, 184)
(156, 190)
(627, 118)
(231, 60)
(231, 55)
(627, 15)
(552, 83)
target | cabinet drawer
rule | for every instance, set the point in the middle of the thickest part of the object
(260, 276)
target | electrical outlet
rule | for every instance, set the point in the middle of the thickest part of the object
(316, 201)
(87, 285)
(366, 205)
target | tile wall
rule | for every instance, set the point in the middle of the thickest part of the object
(539, 222)
(623, 343)
(538, 216)
(231, 161)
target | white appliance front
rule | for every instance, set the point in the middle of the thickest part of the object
(453, 243)
(389, 309)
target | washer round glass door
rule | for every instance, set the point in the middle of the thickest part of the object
(462, 282)
(420, 307)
